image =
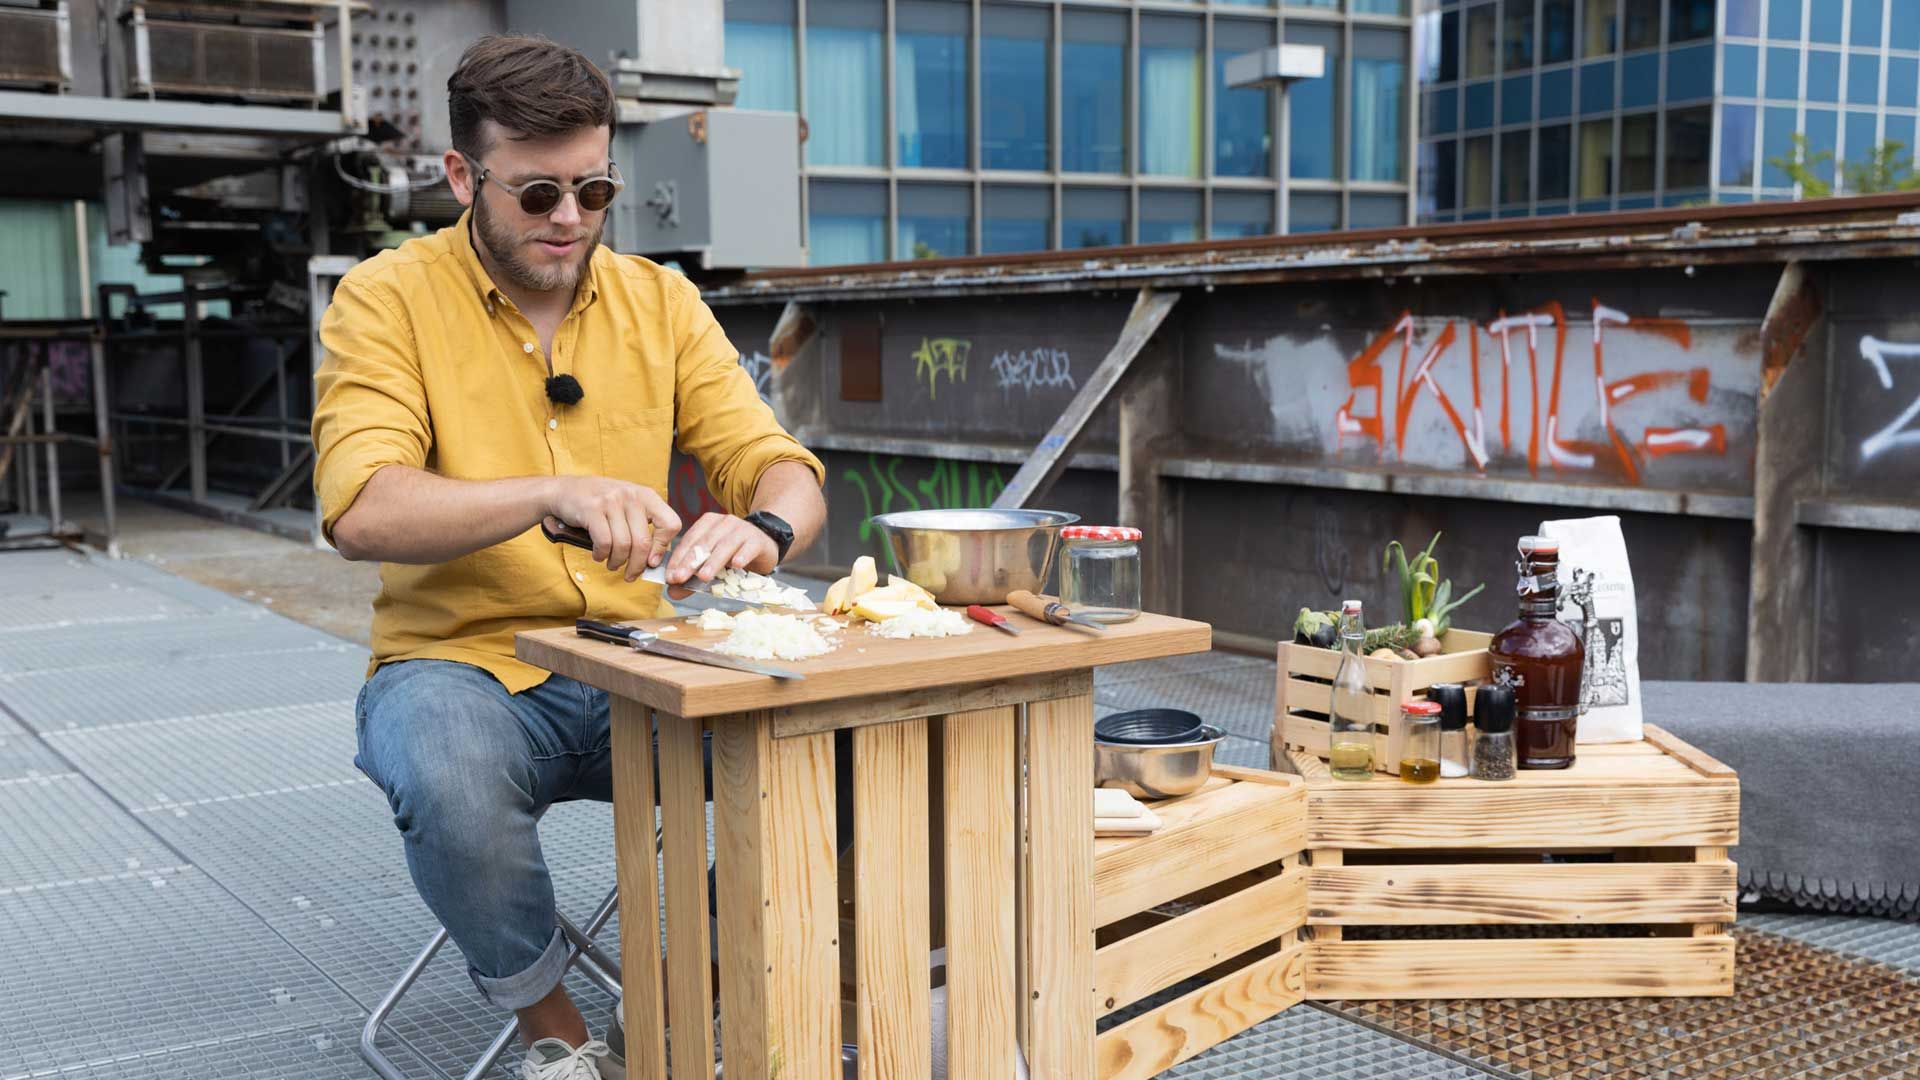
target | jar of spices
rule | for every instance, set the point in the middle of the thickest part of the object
(1100, 572)
(1452, 699)
(1420, 753)
(1493, 750)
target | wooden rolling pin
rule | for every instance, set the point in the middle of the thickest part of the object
(1048, 609)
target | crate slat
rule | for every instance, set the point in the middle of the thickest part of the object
(1535, 968)
(1154, 1042)
(1225, 829)
(1464, 813)
(1491, 895)
(1136, 966)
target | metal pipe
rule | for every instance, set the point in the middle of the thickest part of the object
(210, 428)
(53, 447)
(196, 396)
(104, 444)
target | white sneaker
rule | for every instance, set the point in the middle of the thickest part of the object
(614, 1065)
(552, 1059)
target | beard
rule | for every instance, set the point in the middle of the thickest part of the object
(508, 250)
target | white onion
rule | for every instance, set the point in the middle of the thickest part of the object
(919, 622)
(759, 588)
(757, 635)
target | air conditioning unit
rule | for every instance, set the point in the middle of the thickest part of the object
(36, 46)
(273, 58)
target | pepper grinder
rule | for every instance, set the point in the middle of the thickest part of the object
(1493, 751)
(1452, 699)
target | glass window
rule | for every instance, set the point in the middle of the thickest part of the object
(1866, 23)
(1640, 80)
(1862, 140)
(1823, 76)
(1093, 87)
(1378, 7)
(1516, 167)
(1366, 211)
(1439, 184)
(1638, 152)
(1481, 39)
(1903, 79)
(1169, 217)
(930, 82)
(1312, 212)
(1783, 73)
(1596, 159)
(1823, 22)
(846, 119)
(1516, 99)
(1777, 146)
(1689, 146)
(1516, 36)
(1599, 32)
(1596, 87)
(1449, 46)
(1556, 31)
(1743, 18)
(1556, 93)
(1823, 134)
(1690, 20)
(1863, 79)
(1092, 217)
(1016, 219)
(846, 222)
(1443, 112)
(1312, 140)
(1015, 54)
(1641, 21)
(1783, 20)
(936, 221)
(1736, 145)
(1556, 154)
(1903, 26)
(1740, 70)
(1171, 94)
(1479, 105)
(1379, 105)
(759, 39)
(1477, 193)
(1238, 214)
(1242, 119)
(1690, 72)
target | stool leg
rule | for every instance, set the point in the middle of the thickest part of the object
(1058, 885)
(643, 1003)
(370, 1052)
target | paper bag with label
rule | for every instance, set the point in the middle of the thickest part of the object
(1610, 684)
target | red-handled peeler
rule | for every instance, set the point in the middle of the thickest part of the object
(991, 618)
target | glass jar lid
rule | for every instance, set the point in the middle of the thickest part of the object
(1106, 533)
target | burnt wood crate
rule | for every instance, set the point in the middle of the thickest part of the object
(1608, 879)
(1305, 689)
(1219, 892)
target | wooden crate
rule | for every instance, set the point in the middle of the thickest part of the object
(1304, 691)
(1219, 892)
(1650, 823)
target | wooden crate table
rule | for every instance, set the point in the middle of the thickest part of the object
(938, 755)
(1644, 828)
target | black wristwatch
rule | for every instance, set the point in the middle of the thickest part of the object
(775, 527)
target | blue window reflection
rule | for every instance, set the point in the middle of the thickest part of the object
(1310, 108)
(930, 83)
(1866, 23)
(846, 223)
(1736, 145)
(1238, 214)
(1014, 60)
(1093, 217)
(1016, 219)
(936, 221)
(1169, 217)
(1777, 147)
(1171, 93)
(1093, 86)
(1242, 119)
(845, 91)
(759, 40)
(1783, 20)
(1379, 95)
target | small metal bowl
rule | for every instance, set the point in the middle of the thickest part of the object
(1156, 772)
(974, 556)
(1149, 727)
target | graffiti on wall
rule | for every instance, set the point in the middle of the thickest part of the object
(1904, 431)
(899, 484)
(1539, 384)
(941, 357)
(687, 491)
(1026, 370)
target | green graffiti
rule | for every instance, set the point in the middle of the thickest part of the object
(948, 485)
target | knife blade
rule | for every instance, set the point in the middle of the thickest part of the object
(647, 641)
(693, 594)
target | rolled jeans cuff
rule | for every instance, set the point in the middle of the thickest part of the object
(530, 985)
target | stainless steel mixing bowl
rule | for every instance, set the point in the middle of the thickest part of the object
(1156, 772)
(974, 556)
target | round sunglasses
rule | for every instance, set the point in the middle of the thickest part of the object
(538, 198)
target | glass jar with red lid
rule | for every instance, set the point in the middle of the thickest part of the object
(1100, 572)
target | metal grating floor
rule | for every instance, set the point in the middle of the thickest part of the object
(195, 881)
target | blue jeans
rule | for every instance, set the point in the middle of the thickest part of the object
(468, 768)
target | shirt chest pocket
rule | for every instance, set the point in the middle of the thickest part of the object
(635, 445)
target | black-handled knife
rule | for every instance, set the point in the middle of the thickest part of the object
(648, 641)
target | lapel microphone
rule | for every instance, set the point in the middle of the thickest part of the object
(564, 390)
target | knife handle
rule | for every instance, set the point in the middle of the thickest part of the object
(1044, 608)
(568, 534)
(622, 635)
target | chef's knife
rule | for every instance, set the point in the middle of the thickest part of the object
(693, 593)
(1049, 610)
(647, 641)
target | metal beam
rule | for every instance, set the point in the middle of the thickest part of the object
(1049, 458)
(1791, 434)
(132, 114)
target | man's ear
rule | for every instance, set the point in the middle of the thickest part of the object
(459, 177)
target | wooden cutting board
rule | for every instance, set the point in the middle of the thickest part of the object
(863, 666)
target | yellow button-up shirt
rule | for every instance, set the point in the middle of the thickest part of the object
(429, 365)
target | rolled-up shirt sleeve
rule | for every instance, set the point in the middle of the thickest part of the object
(370, 403)
(722, 421)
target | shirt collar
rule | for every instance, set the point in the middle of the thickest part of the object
(584, 295)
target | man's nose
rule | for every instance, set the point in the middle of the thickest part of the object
(568, 211)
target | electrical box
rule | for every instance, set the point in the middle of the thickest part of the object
(718, 189)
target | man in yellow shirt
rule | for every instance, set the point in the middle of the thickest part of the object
(501, 372)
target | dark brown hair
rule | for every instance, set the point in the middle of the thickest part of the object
(528, 85)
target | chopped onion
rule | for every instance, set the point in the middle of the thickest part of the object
(758, 635)
(761, 589)
(919, 622)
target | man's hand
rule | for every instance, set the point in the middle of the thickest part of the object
(631, 525)
(728, 541)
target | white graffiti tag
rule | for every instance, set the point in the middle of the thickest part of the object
(1898, 433)
(759, 367)
(1029, 368)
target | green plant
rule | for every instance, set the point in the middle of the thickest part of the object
(1887, 168)
(1423, 593)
